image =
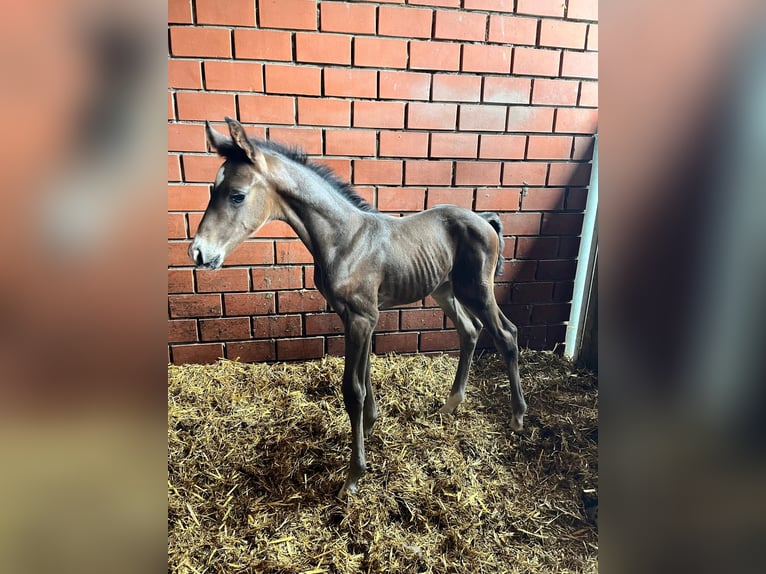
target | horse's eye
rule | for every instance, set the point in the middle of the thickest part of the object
(237, 198)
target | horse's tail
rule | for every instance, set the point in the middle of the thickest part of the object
(494, 220)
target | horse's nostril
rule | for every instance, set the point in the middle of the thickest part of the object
(197, 256)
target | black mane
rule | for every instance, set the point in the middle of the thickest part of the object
(297, 155)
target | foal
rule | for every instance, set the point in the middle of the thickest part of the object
(364, 261)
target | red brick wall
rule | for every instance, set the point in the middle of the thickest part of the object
(488, 104)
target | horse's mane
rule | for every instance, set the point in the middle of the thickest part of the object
(297, 155)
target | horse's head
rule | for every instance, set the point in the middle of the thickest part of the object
(242, 198)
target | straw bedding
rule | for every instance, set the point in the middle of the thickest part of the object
(258, 452)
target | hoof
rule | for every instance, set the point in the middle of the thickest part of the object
(451, 404)
(517, 423)
(348, 490)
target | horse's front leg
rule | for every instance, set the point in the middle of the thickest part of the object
(358, 335)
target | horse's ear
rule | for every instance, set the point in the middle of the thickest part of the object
(215, 139)
(243, 142)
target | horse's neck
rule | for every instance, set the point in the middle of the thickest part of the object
(314, 209)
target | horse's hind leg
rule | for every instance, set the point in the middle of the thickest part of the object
(468, 329)
(370, 406)
(481, 302)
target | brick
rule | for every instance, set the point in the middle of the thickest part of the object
(171, 106)
(555, 92)
(263, 45)
(497, 199)
(184, 74)
(422, 319)
(178, 253)
(583, 9)
(500, 146)
(347, 17)
(188, 197)
(507, 90)
(182, 331)
(378, 114)
(562, 224)
(299, 80)
(562, 34)
(231, 12)
(549, 147)
(580, 65)
(248, 304)
(462, 197)
(427, 172)
(532, 293)
(592, 41)
(537, 248)
(521, 223)
(556, 313)
(541, 7)
(395, 343)
(202, 42)
(275, 229)
(292, 252)
(340, 167)
(180, 281)
(530, 119)
(186, 137)
(377, 171)
(520, 270)
(405, 85)
(477, 173)
(576, 120)
(309, 140)
(469, 26)
(300, 301)
(439, 341)
(240, 76)
(442, 3)
(434, 56)
(224, 329)
(512, 30)
(267, 109)
(484, 58)
(277, 278)
(300, 349)
(454, 145)
(203, 106)
(562, 291)
(397, 199)
(482, 118)
(380, 52)
(323, 48)
(251, 253)
(388, 321)
(431, 116)
(496, 5)
(456, 88)
(533, 62)
(524, 173)
(583, 148)
(577, 198)
(291, 14)
(570, 174)
(251, 351)
(403, 144)
(274, 326)
(350, 142)
(195, 306)
(205, 353)
(324, 324)
(568, 247)
(179, 12)
(588, 94)
(350, 82)
(543, 199)
(561, 270)
(404, 22)
(201, 169)
(176, 226)
(222, 280)
(336, 346)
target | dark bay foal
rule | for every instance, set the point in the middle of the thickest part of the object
(365, 261)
